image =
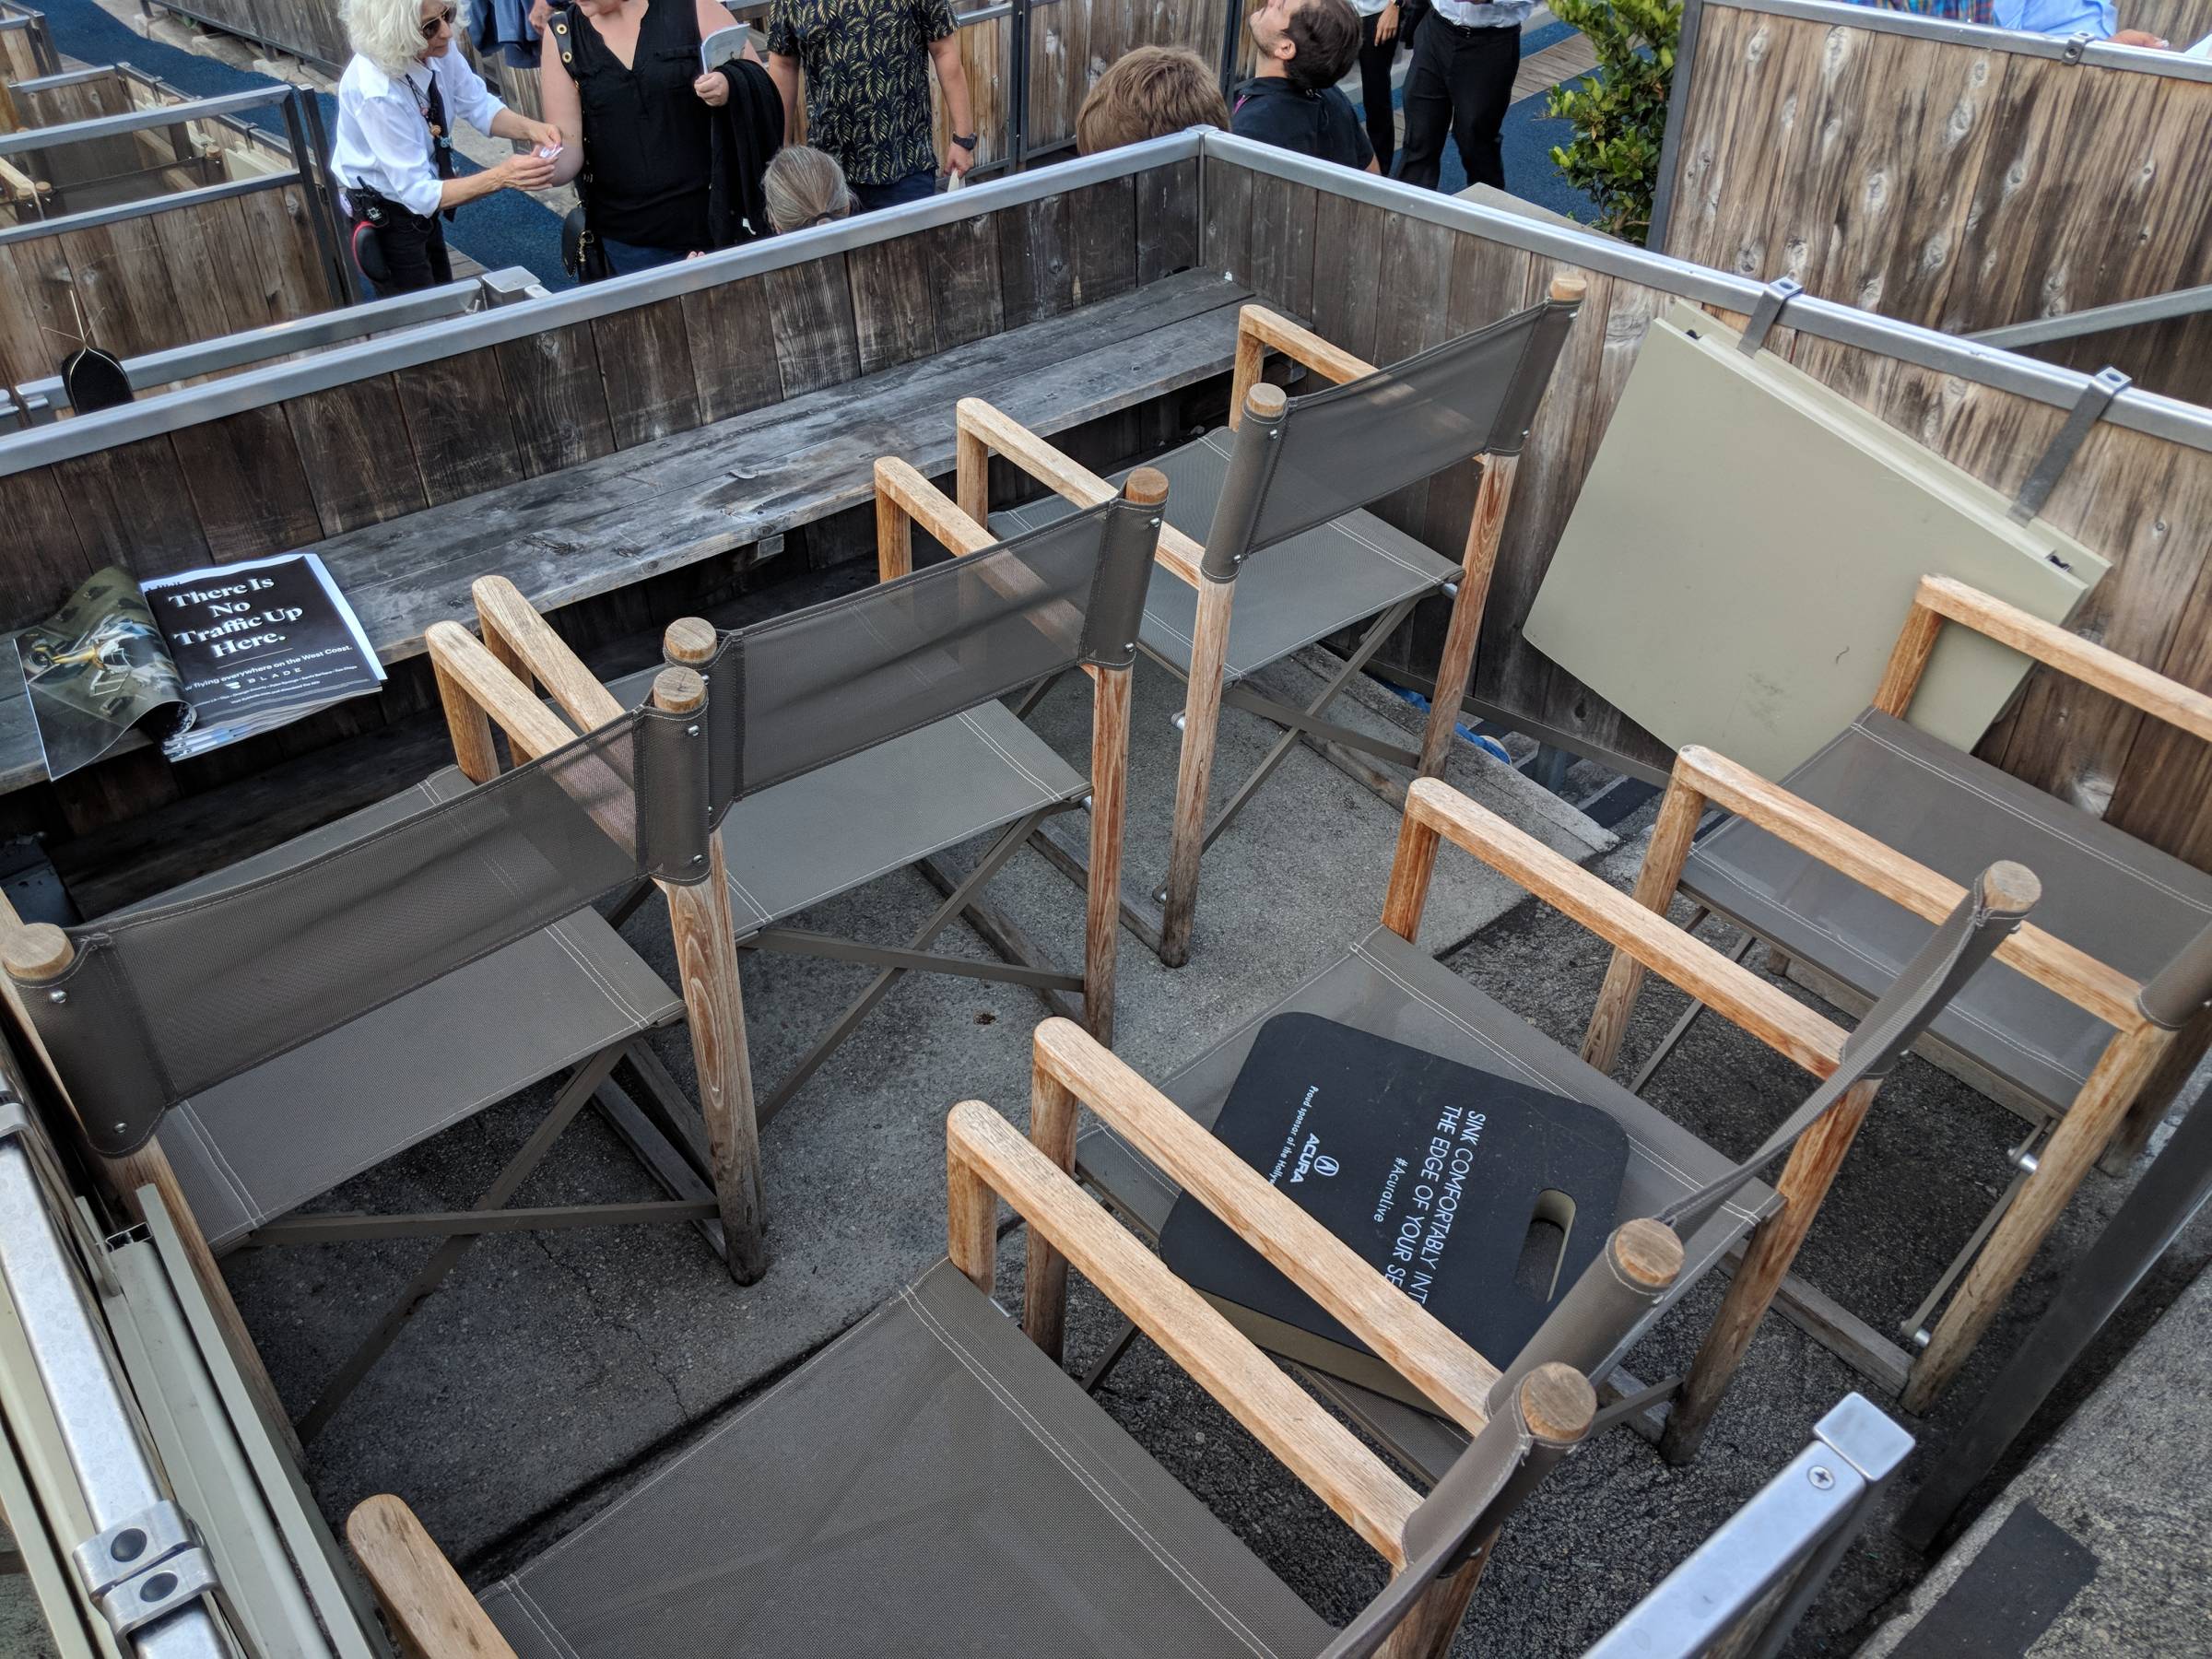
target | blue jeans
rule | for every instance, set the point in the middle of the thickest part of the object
(626, 259)
(915, 187)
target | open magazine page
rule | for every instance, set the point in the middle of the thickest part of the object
(95, 670)
(258, 643)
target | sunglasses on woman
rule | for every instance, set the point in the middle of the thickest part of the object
(442, 19)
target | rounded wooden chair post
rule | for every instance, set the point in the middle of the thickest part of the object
(1266, 400)
(2009, 889)
(37, 953)
(1647, 1253)
(1570, 288)
(1557, 1404)
(688, 641)
(1148, 486)
(706, 959)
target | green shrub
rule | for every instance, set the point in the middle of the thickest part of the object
(1619, 112)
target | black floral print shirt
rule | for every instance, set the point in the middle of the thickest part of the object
(866, 64)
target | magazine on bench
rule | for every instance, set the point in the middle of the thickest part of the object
(1455, 1184)
(204, 657)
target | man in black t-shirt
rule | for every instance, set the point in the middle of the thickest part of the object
(1306, 46)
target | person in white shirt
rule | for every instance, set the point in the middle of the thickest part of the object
(393, 151)
(1460, 83)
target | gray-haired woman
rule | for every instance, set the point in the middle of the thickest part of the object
(393, 149)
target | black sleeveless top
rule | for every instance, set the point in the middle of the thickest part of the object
(648, 143)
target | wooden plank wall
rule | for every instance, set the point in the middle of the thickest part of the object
(1959, 186)
(163, 279)
(314, 30)
(289, 474)
(1385, 286)
(2180, 22)
(1072, 42)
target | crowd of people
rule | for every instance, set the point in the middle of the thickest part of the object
(674, 157)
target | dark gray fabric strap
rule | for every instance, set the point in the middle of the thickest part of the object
(1959, 946)
(2178, 991)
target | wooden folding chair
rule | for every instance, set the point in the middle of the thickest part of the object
(249, 1042)
(911, 756)
(1387, 985)
(934, 1482)
(1287, 481)
(2096, 1014)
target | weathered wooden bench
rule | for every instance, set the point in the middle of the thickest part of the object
(581, 531)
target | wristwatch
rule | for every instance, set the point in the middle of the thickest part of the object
(965, 141)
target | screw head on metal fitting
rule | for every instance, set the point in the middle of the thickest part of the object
(57, 996)
(1821, 1477)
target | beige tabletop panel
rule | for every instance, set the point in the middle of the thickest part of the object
(1747, 543)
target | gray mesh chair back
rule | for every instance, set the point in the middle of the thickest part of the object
(1334, 451)
(1743, 1591)
(162, 1002)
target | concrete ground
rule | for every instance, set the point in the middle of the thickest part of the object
(2133, 1524)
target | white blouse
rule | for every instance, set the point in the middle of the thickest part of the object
(383, 138)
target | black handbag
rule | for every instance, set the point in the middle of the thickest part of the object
(581, 254)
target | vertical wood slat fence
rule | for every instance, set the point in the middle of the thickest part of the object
(1957, 177)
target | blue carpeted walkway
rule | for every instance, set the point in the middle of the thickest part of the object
(1530, 136)
(507, 228)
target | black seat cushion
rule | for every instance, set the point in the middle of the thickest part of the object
(928, 1484)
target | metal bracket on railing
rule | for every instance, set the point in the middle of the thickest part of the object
(2088, 409)
(2075, 46)
(509, 287)
(1778, 293)
(145, 1566)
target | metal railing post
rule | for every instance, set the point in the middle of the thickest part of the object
(322, 201)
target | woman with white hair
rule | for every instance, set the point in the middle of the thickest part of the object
(393, 151)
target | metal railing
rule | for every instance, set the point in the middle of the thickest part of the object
(303, 138)
(40, 401)
(32, 26)
(2165, 418)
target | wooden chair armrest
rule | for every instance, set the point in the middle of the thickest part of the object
(904, 498)
(984, 430)
(429, 1608)
(1434, 808)
(522, 639)
(1406, 1334)
(988, 1159)
(467, 671)
(1260, 330)
(2073, 974)
(1945, 599)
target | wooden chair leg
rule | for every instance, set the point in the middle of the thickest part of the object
(2129, 1061)
(1102, 883)
(1680, 810)
(1428, 1631)
(1194, 775)
(706, 957)
(1457, 663)
(2156, 1096)
(1805, 1183)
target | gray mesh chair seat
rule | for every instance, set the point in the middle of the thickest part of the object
(841, 826)
(929, 1484)
(1318, 582)
(398, 1075)
(2110, 895)
(1393, 989)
